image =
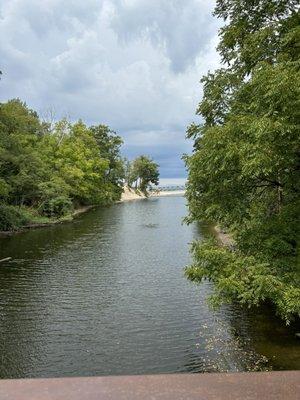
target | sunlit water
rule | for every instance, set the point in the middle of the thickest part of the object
(106, 294)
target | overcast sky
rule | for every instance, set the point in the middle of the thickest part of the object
(134, 65)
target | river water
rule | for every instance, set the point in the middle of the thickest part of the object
(106, 294)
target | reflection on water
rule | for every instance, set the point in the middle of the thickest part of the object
(106, 295)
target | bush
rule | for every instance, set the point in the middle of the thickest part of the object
(247, 279)
(11, 218)
(56, 207)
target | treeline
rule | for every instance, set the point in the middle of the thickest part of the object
(48, 169)
(244, 172)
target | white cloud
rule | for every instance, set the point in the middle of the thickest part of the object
(134, 65)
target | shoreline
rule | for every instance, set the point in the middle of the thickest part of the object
(65, 219)
(167, 193)
(132, 194)
(224, 238)
(127, 195)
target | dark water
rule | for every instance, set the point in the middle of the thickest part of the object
(106, 295)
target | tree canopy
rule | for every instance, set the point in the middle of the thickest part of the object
(142, 172)
(244, 171)
(53, 169)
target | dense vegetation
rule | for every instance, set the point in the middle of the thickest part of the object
(244, 171)
(47, 170)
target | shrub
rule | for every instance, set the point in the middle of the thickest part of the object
(11, 218)
(56, 207)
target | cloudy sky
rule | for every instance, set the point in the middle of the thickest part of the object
(134, 65)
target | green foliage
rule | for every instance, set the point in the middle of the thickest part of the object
(11, 218)
(248, 279)
(109, 144)
(52, 169)
(143, 172)
(56, 207)
(244, 172)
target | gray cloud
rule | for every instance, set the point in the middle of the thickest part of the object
(132, 64)
(181, 28)
(166, 147)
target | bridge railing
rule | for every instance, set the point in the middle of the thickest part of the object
(239, 386)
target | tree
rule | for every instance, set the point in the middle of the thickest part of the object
(144, 171)
(244, 173)
(128, 179)
(109, 146)
(79, 165)
(21, 164)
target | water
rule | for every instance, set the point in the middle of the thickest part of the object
(106, 294)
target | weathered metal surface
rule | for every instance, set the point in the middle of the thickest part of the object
(245, 386)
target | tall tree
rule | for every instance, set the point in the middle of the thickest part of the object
(109, 146)
(244, 173)
(144, 172)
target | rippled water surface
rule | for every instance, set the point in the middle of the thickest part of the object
(106, 295)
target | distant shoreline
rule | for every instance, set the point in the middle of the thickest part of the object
(132, 194)
(164, 193)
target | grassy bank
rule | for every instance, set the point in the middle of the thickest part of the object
(20, 219)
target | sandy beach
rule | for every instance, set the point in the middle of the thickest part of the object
(131, 194)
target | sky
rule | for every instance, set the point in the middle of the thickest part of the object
(134, 65)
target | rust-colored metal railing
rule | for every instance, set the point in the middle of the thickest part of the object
(240, 386)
